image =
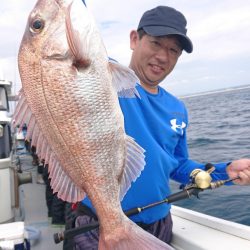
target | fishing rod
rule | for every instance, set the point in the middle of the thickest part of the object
(200, 180)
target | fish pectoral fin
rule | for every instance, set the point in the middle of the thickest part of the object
(124, 80)
(134, 164)
(63, 185)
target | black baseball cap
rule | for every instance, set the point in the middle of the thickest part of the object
(164, 20)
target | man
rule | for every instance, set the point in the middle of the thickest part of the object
(158, 122)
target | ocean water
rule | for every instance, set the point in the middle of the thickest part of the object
(219, 131)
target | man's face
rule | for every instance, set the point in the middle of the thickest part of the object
(153, 58)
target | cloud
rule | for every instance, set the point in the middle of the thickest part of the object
(13, 19)
(218, 29)
(223, 34)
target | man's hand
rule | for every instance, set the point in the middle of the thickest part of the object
(240, 168)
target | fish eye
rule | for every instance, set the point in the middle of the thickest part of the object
(37, 26)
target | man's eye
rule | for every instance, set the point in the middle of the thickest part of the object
(175, 51)
(155, 42)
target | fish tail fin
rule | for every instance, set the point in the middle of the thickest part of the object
(132, 237)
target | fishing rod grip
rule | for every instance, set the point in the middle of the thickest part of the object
(186, 193)
(133, 211)
(70, 233)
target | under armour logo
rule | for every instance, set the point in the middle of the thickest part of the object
(177, 127)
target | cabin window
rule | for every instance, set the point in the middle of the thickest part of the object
(3, 99)
(5, 141)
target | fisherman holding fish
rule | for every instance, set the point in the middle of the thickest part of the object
(158, 122)
(69, 101)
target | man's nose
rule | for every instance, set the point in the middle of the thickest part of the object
(163, 55)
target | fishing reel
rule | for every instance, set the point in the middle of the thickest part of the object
(201, 179)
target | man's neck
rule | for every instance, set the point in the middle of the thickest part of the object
(150, 89)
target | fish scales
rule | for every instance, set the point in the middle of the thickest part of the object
(70, 104)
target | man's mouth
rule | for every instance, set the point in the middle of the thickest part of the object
(156, 68)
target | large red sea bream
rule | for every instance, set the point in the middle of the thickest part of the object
(69, 102)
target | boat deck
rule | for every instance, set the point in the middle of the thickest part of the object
(34, 210)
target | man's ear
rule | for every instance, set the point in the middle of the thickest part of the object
(134, 37)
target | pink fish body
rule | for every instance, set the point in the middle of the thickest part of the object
(69, 101)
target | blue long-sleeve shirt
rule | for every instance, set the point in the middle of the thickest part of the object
(158, 123)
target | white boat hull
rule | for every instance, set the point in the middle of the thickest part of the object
(196, 231)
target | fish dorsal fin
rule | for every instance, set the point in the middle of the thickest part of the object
(61, 183)
(124, 80)
(134, 164)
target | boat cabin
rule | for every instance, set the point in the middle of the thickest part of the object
(5, 129)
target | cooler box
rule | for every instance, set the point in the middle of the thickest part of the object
(12, 236)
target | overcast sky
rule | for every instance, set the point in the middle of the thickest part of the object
(219, 30)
